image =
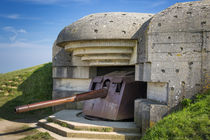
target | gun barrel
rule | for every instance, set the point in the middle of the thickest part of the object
(75, 98)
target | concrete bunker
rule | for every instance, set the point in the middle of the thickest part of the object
(81, 53)
(169, 51)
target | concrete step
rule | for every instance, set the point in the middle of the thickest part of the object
(71, 119)
(86, 134)
(69, 124)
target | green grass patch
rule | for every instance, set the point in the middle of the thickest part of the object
(190, 123)
(25, 86)
(63, 124)
(49, 119)
(101, 129)
(94, 129)
(39, 136)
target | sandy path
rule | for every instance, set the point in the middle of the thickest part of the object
(10, 130)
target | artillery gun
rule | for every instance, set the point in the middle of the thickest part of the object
(110, 97)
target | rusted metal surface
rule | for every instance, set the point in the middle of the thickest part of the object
(119, 102)
(111, 97)
(79, 97)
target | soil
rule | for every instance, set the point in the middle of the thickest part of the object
(12, 130)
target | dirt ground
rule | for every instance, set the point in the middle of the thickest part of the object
(11, 130)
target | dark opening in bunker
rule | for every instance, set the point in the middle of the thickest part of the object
(141, 86)
(105, 70)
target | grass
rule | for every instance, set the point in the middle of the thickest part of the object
(39, 136)
(190, 123)
(25, 86)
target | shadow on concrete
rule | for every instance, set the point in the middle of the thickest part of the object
(37, 87)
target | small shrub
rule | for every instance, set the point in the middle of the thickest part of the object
(63, 124)
(39, 136)
(49, 119)
(107, 130)
(186, 102)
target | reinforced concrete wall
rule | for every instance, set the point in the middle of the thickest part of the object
(170, 51)
(70, 76)
(174, 47)
(95, 41)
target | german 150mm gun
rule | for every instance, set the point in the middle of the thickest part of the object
(110, 97)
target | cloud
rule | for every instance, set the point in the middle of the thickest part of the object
(10, 16)
(22, 31)
(17, 16)
(15, 32)
(22, 44)
(13, 16)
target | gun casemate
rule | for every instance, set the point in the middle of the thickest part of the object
(110, 97)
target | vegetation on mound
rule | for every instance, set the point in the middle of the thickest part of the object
(24, 87)
(192, 122)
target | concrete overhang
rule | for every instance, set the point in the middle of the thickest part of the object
(113, 25)
(104, 39)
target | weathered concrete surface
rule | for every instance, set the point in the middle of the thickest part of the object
(60, 57)
(148, 112)
(175, 44)
(78, 127)
(157, 91)
(113, 25)
(74, 72)
(110, 31)
(104, 52)
(71, 84)
(11, 130)
(70, 76)
(59, 137)
(171, 53)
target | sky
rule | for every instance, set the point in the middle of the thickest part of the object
(28, 28)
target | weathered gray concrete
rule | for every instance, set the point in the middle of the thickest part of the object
(78, 127)
(60, 57)
(73, 72)
(148, 112)
(113, 25)
(175, 42)
(158, 91)
(103, 53)
(11, 130)
(170, 51)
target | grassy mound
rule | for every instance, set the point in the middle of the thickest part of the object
(192, 122)
(24, 87)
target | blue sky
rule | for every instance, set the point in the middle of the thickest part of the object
(28, 28)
